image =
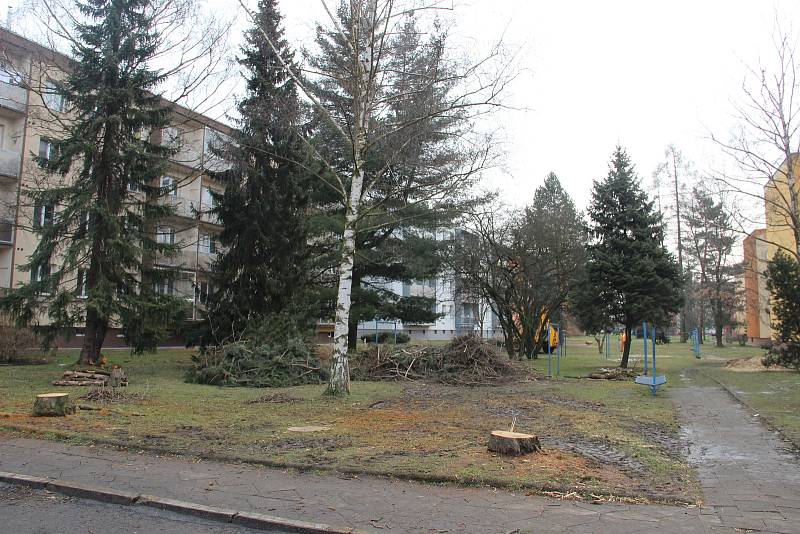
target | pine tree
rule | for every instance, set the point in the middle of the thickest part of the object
(710, 239)
(100, 241)
(630, 276)
(264, 268)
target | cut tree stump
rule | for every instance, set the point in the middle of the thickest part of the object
(49, 404)
(513, 443)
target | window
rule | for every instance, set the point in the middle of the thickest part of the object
(80, 284)
(166, 287)
(208, 244)
(47, 149)
(171, 137)
(83, 224)
(165, 235)
(2, 135)
(204, 290)
(52, 98)
(42, 215)
(39, 272)
(133, 187)
(8, 74)
(207, 197)
(169, 185)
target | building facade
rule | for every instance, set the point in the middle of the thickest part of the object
(756, 309)
(30, 115)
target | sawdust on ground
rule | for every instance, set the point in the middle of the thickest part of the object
(752, 365)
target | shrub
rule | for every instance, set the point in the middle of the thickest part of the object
(16, 343)
(783, 282)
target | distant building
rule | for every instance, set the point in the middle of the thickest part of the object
(756, 310)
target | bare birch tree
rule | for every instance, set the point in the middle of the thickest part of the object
(766, 146)
(353, 82)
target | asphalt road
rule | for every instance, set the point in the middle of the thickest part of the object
(27, 511)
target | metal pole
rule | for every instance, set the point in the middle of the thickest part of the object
(549, 355)
(376, 331)
(558, 354)
(654, 354)
(644, 335)
(395, 332)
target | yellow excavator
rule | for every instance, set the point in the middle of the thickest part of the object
(551, 339)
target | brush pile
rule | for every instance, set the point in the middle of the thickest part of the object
(256, 363)
(466, 361)
(612, 373)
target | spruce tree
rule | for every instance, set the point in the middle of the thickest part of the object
(265, 266)
(102, 171)
(630, 276)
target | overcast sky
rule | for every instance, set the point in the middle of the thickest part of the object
(639, 73)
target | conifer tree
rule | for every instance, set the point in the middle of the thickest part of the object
(264, 268)
(99, 240)
(630, 276)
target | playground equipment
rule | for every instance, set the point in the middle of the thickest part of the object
(654, 380)
(553, 342)
(696, 343)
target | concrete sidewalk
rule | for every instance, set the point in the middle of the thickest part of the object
(750, 481)
(369, 504)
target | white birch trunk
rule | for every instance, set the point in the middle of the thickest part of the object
(339, 383)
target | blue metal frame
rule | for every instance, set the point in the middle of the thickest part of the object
(654, 380)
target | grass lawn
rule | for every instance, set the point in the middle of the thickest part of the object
(599, 436)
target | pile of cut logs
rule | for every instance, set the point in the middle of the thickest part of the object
(93, 377)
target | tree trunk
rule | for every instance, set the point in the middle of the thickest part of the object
(626, 349)
(513, 443)
(94, 334)
(339, 383)
(352, 332)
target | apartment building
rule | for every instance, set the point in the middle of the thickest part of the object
(779, 234)
(459, 313)
(756, 309)
(29, 117)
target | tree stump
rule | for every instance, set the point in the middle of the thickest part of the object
(50, 404)
(513, 443)
(117, 377)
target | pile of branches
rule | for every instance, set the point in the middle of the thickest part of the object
(612, 373)
(257, 363)
(104, 393)
(466, 361)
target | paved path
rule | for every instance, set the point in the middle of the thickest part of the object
(748, 479)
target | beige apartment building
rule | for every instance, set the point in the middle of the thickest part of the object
(756, 310)
(29, 117)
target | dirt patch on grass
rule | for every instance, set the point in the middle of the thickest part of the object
(273, 398)
(752, 365)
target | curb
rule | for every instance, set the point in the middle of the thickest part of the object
(586, 494)
(224, 515)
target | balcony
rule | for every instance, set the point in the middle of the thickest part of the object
(207, 216)
(13, 97)
(9, 163)
(6, 233)
(184, 207)
(186, 259)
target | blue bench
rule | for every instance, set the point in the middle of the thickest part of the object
(652, 381)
